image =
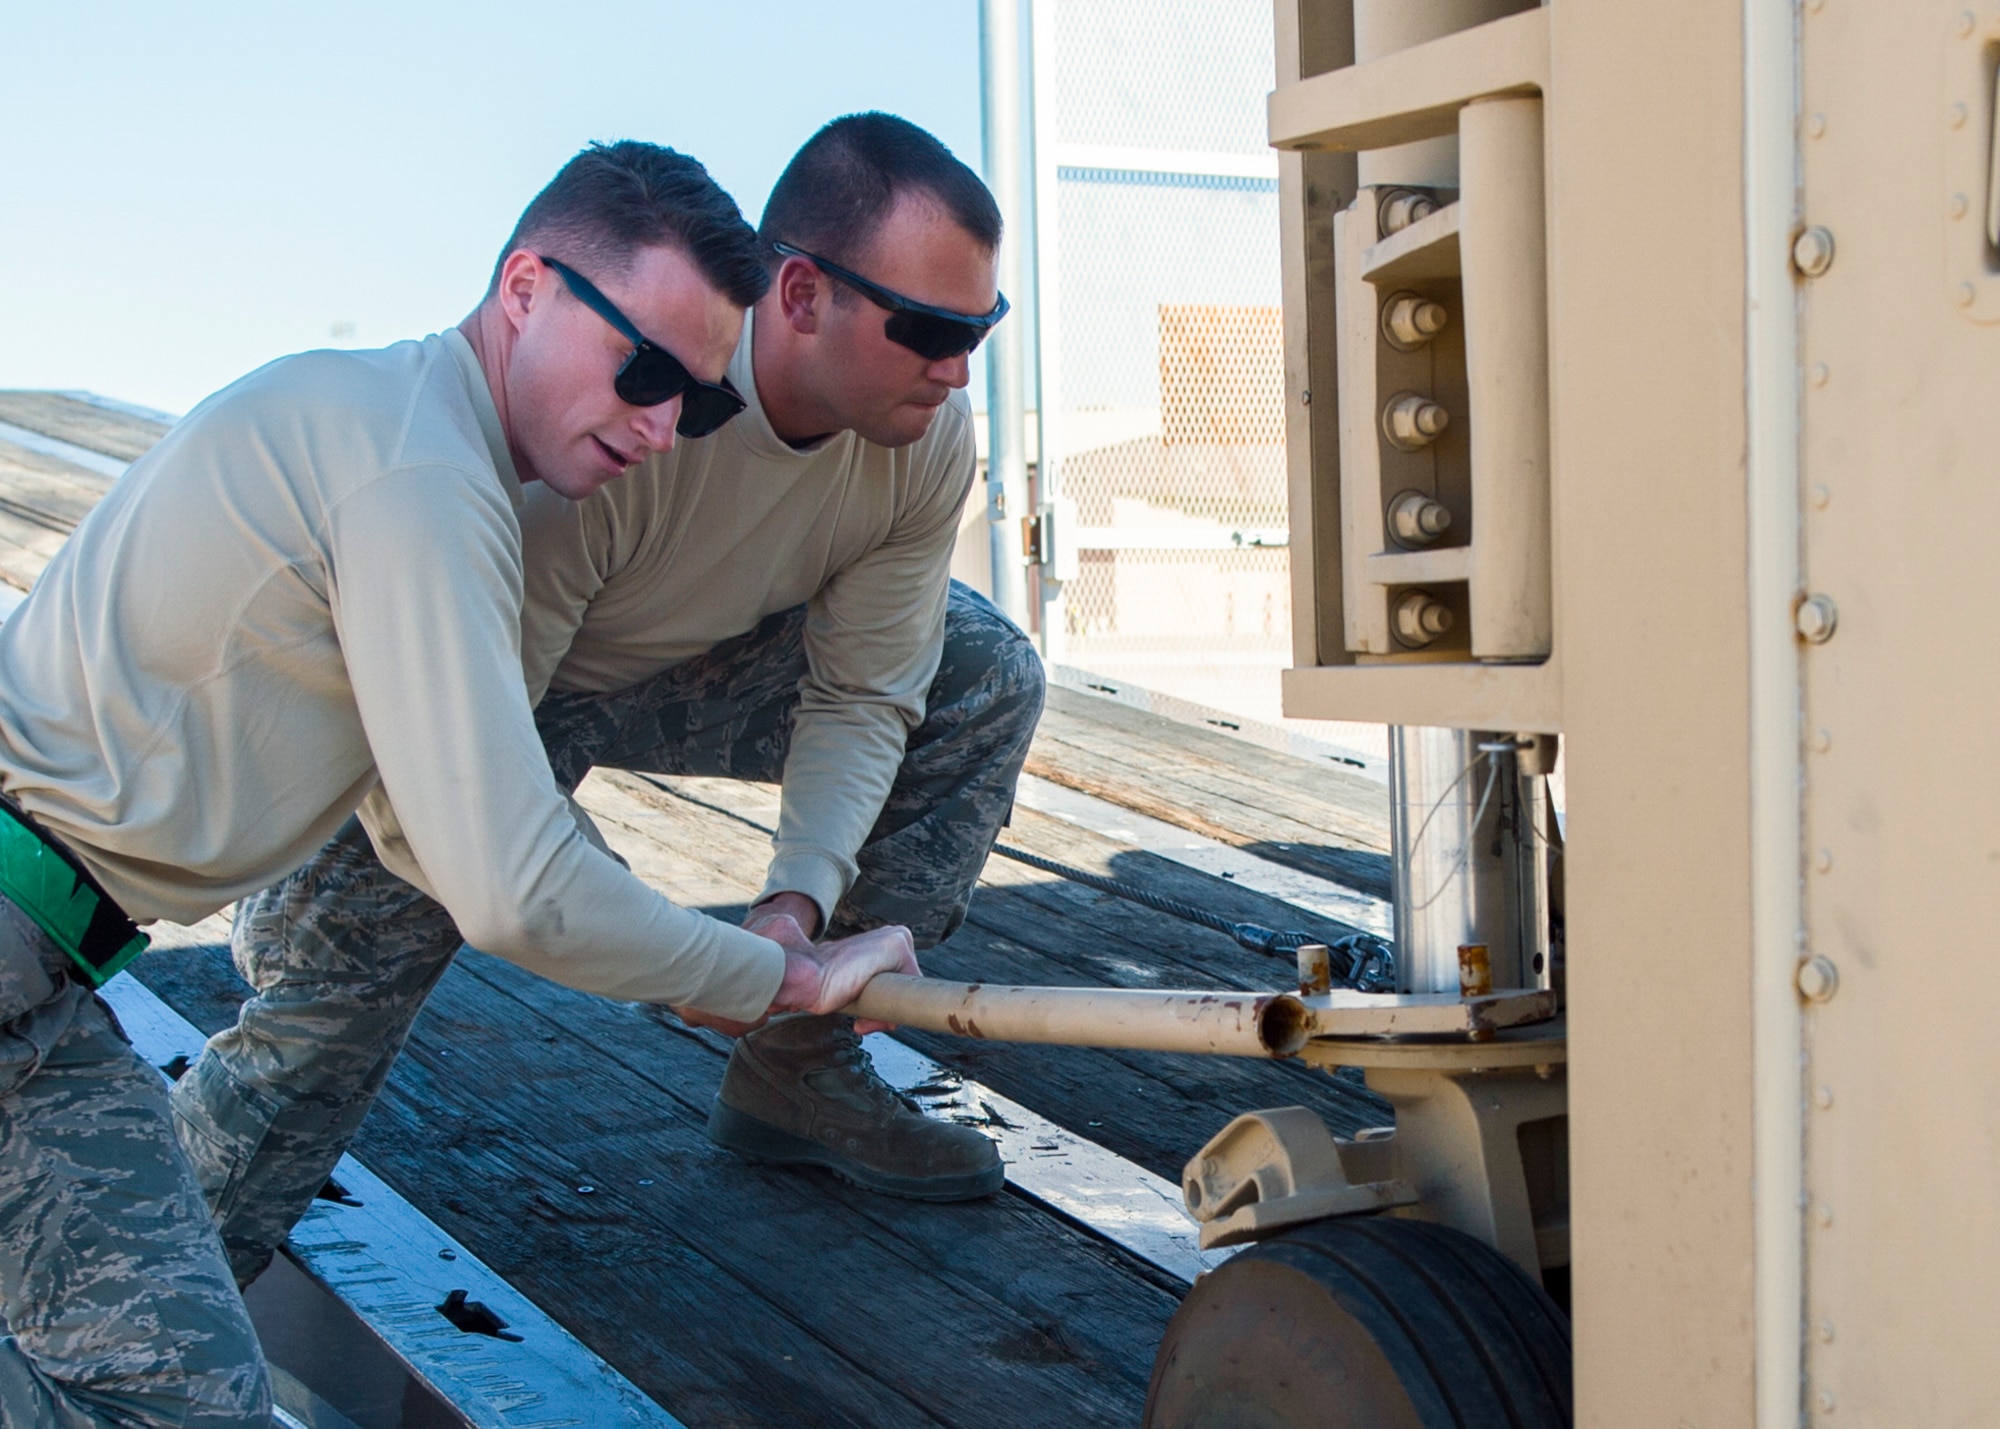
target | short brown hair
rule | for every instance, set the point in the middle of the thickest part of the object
(843, 182)
(612, 200)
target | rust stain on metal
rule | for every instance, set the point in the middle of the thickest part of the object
(1315, 969)
(1475, 970)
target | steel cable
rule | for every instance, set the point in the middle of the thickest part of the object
(1360, 960)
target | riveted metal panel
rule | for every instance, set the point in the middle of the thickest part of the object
(1902, 822)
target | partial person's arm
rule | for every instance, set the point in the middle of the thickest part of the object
(426, 593)
(874, 635)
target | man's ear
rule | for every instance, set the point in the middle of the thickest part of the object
(524, 281)
(801, 289)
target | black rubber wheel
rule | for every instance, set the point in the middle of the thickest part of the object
(1366, 1322)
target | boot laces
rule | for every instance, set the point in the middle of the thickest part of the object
(856, 1057)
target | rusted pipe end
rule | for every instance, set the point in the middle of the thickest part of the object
(1283, 1025)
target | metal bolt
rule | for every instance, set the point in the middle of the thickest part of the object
(1818, 374)
(1820, 496)
(1408, 321)
(1955, 116)
(1822, 740)
(1817, 616)
(1826, 1401)
(1812, 251)
(1412, 421)
(1419, 618)
(1823, 1214)
(1416, 519)
(1823, 860)
(1967, 295)
(1958, 205)
(1405, 209)
(1818, 979)
(1965, 24)
(1826, 1332)
(1816, 126)
(1824, 1096)
(1305, 398)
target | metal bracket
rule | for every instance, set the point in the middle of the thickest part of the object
(1270, 1169)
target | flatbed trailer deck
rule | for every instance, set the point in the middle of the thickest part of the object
(560, 1136)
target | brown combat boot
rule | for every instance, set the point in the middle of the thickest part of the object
(802, 1090)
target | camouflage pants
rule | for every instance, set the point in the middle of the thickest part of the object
(343, 953)
(118, 1306)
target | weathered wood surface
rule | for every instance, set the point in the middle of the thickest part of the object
(740, 1295)
(1331, 822)
(733, 1294)
(514, 1092)
(124, 435)
(42, 497)
(706, 841)
(41, 500)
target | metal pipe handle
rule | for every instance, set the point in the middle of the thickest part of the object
(1229, 1024)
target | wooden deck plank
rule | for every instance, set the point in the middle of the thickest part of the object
(842, 1308)
(1080, 1289)
(1154, 1109)
(26, 548)
(1329, 822)
(740, 1295)
(47, 490)
(124, 435)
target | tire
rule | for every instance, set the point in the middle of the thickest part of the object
(1368, 1322)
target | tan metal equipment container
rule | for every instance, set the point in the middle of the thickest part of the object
(1642, 368)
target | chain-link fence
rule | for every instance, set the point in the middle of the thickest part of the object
(1161, 344)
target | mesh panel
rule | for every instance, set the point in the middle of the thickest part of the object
(1163, 74)
(1235, 605)
(1170, 411)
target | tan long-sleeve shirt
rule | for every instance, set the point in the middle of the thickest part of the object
(312, 583)
(705, 540)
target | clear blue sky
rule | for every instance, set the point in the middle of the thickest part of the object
(189, 190)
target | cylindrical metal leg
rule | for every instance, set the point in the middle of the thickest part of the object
(1502, 245)
(1005, 135)
(1381, 27)
(1464, 859)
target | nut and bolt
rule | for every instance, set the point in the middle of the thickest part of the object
(1818, 979)
(1408, 321)
(1412, 421)
(1816, 618)
(1419, 618)
(1401, 210)
(1812, 251)
(1417, 520)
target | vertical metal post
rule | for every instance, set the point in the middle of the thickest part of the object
(1771, 49)
(1463, 858)
(1042, 34)
(1004, 138)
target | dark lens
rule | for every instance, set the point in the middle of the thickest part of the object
(649, 377)
(932, 337)
(705, 408)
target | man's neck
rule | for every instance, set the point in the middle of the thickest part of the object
(491, 337)
(779, 366)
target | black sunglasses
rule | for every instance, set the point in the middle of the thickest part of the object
(652, 375)
(933, 333)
